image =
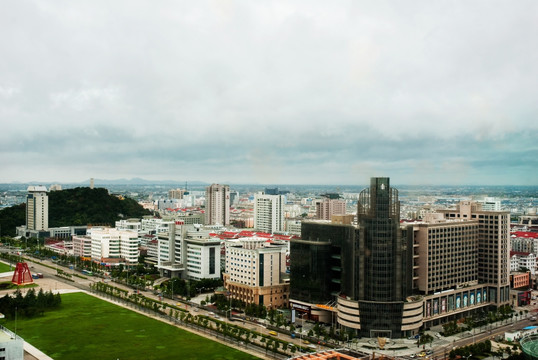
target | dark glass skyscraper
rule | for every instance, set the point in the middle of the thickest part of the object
(363, 267)
(384, 280)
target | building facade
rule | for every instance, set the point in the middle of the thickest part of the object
(188, 252)
(217, 207)
(326, 208)
(254, 272)
(269, 213)
(37, 208)
(82, 246)
(107, 243)
(493, 246)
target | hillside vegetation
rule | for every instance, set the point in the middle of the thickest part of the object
(78, 206)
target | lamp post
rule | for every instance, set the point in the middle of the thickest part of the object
(302, 327)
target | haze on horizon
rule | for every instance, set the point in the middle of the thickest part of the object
(269, 92)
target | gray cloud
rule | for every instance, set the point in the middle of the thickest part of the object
(270, 91)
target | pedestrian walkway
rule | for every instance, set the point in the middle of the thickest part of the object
(408, 347)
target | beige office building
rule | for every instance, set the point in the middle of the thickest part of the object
(254, 272)
(460, 261)
(326, 208)
(217, 205)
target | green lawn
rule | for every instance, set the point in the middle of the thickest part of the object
(5, 267)
(88, 328)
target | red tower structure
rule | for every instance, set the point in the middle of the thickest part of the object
(22, 275)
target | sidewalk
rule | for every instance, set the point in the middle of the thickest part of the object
(406, 347)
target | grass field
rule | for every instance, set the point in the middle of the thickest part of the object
(88, 328)
(5, 268)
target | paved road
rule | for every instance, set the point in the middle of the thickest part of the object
(441, 346)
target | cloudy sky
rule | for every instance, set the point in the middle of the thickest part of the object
(270, 92)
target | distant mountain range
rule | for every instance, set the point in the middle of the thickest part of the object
(133, 181)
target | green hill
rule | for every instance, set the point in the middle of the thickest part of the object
(78, 206)
(12, 217)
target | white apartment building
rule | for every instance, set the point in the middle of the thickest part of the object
(490, 204)
(129, 225)
(155, 226)
(37, 208)
(217, 205)
(294, 210)
(254, 268)
(519, 260)
(110, 243)
(188, 252)
(203, 258)
(269, 213)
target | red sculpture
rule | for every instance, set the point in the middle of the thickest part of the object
(22, 275)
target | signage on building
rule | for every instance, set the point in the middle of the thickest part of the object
(301, 307)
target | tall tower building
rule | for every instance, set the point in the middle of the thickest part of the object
(268, 213)
(364, 271)
(384, 284)
(217, 207)
(37, 208)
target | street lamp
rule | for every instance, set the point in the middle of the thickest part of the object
(302, 328)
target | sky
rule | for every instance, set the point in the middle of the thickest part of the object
(270, 92)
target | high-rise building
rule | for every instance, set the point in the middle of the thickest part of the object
(493, 246)
(217, 206)
(37, 208)
(383, 282)
(327, 207)
(176, 193)
(269, 213)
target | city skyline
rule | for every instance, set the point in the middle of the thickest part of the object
(269, 92)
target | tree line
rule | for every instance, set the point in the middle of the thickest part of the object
(29, 305)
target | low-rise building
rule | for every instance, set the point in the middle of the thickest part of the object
(110, 243)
